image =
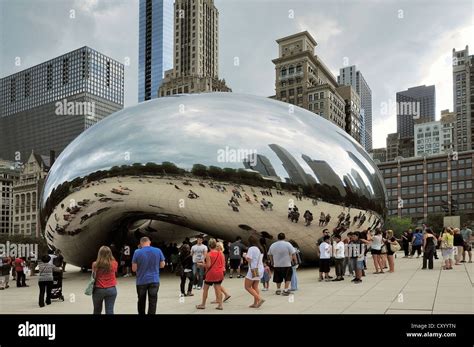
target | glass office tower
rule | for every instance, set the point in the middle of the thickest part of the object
(45, 107)
(155, 47)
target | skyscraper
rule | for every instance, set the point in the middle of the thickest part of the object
(155, 46)
(414, 103)
(302, 79)
(463, 81)
(196, 50)
(350, 76)
(45, 107)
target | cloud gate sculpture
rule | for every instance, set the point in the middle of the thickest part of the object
(222, 164)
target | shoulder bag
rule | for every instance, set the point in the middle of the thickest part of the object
(90, 286)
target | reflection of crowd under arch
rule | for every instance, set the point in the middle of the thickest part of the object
(253, 204)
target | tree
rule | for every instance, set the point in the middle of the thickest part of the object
(398, 225)
(199, 170)
(435, 221)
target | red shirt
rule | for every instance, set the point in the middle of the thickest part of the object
(18, 264)
(106, 279)
(216, 272)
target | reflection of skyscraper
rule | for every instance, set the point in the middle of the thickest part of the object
(325, 173)
(262, 165)
(361, 186)
(376, 188)
(295, 172)
(349, 183)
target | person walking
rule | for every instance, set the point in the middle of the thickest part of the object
(235, 256)
(458, 243)
(215, 267)
(254, 257)
(339, 256)
(466, 235)
(45, 280)
(225, 293)
(199, 252)
(416, 243)
(406, 243)
(429, 248)
(105, 287)
(20, 273)
(447, 248)
(281, 254)
(186, 270)
(5, 272)
(147, 262)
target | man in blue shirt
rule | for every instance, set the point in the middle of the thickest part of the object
(147, 262)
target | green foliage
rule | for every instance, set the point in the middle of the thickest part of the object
(398, 225)
(435, 221)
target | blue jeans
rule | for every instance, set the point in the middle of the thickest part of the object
(104, 294)
(152, 290)
(198, 275)
(294, 279)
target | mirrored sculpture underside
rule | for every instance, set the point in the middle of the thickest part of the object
(222, 164)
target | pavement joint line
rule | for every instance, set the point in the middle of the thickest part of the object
(401, 291)
(436, 291)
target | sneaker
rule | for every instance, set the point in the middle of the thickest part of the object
(278, 292)
(264, 289)
(198, 288)
(330, 277)
(354, 280)
(358, 281)
(240, 276)
(194, 287)
(463, 261)
(285, 293)
(231, 276)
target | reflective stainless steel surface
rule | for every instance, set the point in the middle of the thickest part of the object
(223, 164)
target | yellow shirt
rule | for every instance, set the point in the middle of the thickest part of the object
(449, 239)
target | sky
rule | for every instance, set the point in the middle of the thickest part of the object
(395, 44)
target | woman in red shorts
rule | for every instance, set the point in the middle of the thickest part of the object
(215, 265)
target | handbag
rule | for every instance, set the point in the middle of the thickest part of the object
(395, 246)
(90, 286)
(383, 249)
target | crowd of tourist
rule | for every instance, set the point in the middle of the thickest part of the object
(204, 264)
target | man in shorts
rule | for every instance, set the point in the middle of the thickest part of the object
(281, 253)
(235, 256)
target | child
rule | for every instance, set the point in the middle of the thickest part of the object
(267, 275)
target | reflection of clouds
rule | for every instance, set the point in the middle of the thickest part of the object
(190, 129)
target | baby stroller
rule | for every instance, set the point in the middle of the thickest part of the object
(57, 288)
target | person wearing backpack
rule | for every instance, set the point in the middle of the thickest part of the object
(417, 242)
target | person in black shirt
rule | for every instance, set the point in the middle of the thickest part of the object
(185, 270)
(429, 248)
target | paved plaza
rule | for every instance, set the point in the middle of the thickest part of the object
(406, 291)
